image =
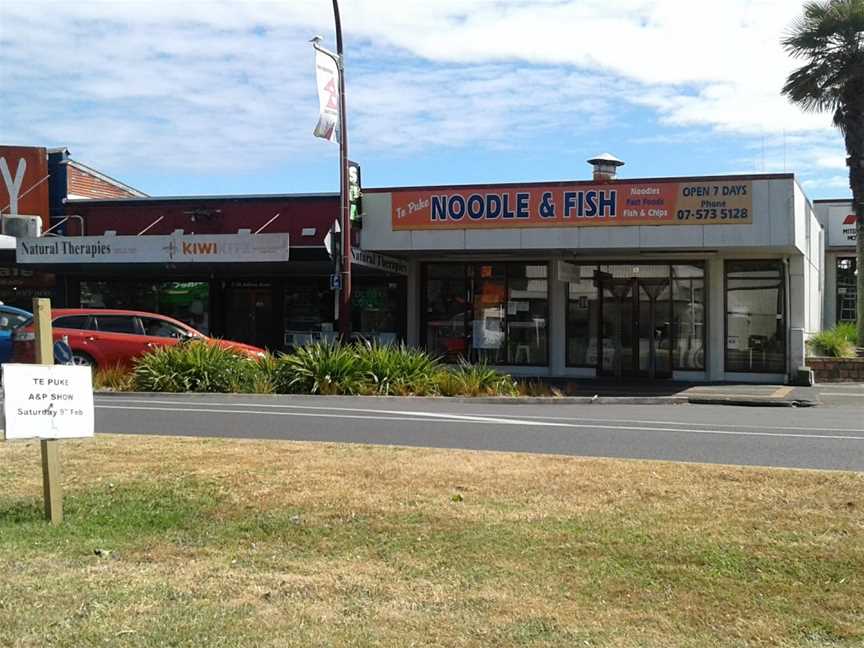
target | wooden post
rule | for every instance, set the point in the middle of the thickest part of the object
(51, 484)
(51, 480)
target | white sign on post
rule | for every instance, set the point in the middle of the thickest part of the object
(47, 401)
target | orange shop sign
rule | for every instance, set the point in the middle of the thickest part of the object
(575, 205)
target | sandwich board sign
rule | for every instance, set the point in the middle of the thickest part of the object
(47, 401)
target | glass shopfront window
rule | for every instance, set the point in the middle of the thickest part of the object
(309, 312)
(491, 312)
(488, 326)
(446, 311)
(636, 320)
(688, 317)
(755, 317)
(19, 286)
(527, 314)
(847, 289)
(187, 301)
(583, 309)
(376, 310)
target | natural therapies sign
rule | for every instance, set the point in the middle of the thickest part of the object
(713, 202)
(173, 248)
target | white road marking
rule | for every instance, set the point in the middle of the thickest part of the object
(477, 416)
(445, 418)
(429, 417)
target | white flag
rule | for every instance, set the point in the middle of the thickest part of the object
(328, 96)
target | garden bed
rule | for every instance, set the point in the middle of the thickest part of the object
(325, 368)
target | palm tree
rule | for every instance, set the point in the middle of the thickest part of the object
(830, 38)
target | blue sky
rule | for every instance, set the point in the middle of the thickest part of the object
(206, 97)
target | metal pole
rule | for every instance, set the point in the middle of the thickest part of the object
(345, 252)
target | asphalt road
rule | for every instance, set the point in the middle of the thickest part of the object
(821, 437)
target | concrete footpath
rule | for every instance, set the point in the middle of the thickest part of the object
(740, 394)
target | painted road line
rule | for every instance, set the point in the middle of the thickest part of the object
(846, 394)
(694, 423)
(434, 417)
(427, 417)
(541, 417)
(782, 392)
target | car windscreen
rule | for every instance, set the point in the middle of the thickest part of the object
(12, 321)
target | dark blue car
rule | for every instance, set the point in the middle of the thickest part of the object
(10, 319)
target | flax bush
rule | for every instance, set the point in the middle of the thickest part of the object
(836, 342)
(116, 378)
(196, 366)
(327, 368)
(398, 370)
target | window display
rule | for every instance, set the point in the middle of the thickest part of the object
(492, 312)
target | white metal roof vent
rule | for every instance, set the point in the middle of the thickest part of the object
(605, 167)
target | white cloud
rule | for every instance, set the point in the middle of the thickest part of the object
(227, 84)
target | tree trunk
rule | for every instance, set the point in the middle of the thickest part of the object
(854, 136)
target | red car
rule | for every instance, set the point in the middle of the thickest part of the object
(106, 338)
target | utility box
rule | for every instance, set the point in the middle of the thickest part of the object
(22, 226)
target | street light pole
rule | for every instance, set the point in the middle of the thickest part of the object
(344, 293)
(342, 262)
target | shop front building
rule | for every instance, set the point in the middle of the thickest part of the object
(254, 269)
(841, 290)
(36, 184)
(700, 278)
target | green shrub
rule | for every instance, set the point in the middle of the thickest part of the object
(447, 383)
(398, 370)
(329, 368)
(478, 380)
(321, 368)
(837, 342)
(849, 330)
(197, 366)
(115, 378)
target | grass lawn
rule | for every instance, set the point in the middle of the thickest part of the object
(187, 542)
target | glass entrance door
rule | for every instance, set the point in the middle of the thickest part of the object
(635, 332)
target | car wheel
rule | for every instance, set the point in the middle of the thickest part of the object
(80, 359)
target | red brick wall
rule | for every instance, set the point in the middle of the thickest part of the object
(829, 370)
